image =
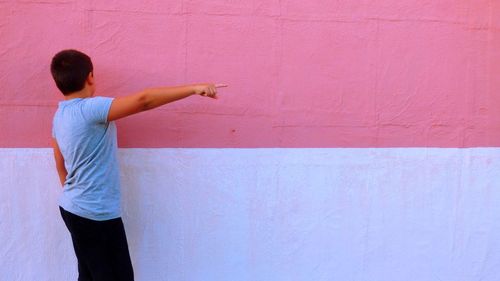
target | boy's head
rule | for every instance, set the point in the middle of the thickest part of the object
(72, 71)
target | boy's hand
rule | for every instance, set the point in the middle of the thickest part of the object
(208, 89)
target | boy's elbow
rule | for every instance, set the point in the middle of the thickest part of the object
(144, 100)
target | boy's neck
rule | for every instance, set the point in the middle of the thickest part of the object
(83, 93)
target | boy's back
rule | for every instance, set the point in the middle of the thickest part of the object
(88, 144)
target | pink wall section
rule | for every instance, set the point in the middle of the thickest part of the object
(313, 73)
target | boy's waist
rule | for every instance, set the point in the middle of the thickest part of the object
(92, 208)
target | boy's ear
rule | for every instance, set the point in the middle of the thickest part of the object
(90, 78)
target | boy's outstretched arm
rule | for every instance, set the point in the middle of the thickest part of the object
(155, 97)
(61, 169)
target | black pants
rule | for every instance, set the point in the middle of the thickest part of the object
(100, 247)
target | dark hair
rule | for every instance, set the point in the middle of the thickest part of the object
(70, 69)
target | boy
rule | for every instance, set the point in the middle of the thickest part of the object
(84, 141)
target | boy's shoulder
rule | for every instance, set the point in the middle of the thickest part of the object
(93, 109)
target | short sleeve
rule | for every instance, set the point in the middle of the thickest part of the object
(54, 125)
(96, 109)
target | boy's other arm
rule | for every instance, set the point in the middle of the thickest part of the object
(61, 170)
(155, 97)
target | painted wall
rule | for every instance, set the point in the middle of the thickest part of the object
(302, 73)
(273, 214)
(268, 185)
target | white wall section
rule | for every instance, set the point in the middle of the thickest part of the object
(272, 214)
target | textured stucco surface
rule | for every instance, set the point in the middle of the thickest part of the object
(310, 73)
(272, 214)
(315, 73)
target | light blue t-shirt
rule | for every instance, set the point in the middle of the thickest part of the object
(88, 144)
